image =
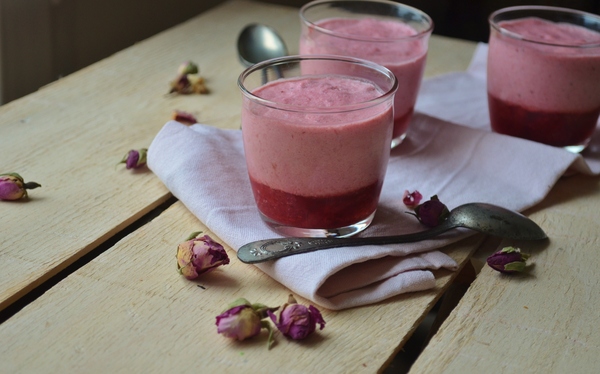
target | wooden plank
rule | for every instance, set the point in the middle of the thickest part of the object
(89, 120)
(447, 55)
(544, 321)
(70, 135)
(129, 310)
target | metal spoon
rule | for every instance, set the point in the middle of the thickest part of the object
(258, 43)
(485, 218)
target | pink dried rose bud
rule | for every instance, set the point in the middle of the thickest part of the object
(508, 260)
(135, 158)
(240, 322)
(297, 321)
(432, 212)
(199, 255)
(188, 67)
(243, 320)
(13, 187)
(412, 199)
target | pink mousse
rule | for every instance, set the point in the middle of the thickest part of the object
(388, 43)
(293, 148)
(544, 75)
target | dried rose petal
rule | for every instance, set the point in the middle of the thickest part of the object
(200, 255)
(508, 260)
(180, 84)
(432, 212)
(184, 117)
(13, 187)
(297, 321)
(197, 84)
(135, 158)
(411, 199)
(186, 84)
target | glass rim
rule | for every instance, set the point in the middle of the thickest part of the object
(313, 25)
(558, 10)
(386, 95)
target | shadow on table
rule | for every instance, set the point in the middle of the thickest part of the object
(567, 189)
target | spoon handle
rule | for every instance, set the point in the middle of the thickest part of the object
(271, 249)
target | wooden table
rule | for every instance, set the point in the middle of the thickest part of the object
(88, 279)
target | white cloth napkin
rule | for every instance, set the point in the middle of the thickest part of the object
(204, 167)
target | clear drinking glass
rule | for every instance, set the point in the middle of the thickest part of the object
(544, 74)
(385, 32)
(317, 132)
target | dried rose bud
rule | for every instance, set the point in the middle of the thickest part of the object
(243, 320)
(412, 199)
(197, 84)
(188, 84)
(135, 159)
(239, 322)
(297, 321)
(180, 84)
(199, 255)
(432, 212)
(184, 117)
(188, 67)
(508, 260)
(13, 187)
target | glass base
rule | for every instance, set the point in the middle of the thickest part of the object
(398, 140)
(576, 148)
(339, 232)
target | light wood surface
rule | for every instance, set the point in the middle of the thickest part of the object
(70, 135)
(543, 321)
(128, 309)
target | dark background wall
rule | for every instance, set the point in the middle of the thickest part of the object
(467, 19)
(42, 40)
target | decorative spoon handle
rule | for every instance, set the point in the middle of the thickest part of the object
(271, 249)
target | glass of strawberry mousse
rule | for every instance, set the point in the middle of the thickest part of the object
(391, 34)
(316, 133)
(543, 75)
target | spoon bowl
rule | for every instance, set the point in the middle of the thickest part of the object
(257, 43)
(485, 218)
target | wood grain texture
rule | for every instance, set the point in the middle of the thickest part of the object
(130, 310)
(543, 321)
(70, 135)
